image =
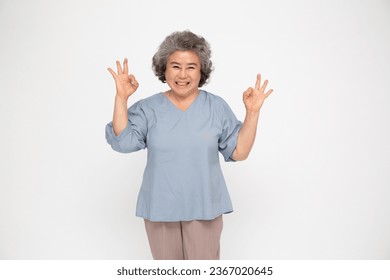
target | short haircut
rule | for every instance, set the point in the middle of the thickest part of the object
(183, 41)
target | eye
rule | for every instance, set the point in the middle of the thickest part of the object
(175, 67)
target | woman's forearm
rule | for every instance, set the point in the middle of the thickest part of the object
(246, 136)
(120, 118)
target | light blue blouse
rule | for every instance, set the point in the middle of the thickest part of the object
(183, 178)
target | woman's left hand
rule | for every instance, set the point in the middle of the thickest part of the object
(254, 97)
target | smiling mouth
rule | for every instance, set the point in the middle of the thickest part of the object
(182, 83)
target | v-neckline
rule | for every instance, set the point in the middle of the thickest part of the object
(176, 107)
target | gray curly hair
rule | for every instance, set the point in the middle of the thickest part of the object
(183, 41)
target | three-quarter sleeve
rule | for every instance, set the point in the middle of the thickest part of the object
(230, 128)
(133, 137)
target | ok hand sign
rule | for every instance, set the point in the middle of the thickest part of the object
(254, 97)
(126, 84)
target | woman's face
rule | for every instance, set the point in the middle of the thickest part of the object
(183, 73)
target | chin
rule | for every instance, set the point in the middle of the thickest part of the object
(184, 91)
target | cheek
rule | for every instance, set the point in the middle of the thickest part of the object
(198, 76)
(195, 75)
(168, 75)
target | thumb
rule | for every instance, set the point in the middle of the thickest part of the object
(132, 80)
(248, 92)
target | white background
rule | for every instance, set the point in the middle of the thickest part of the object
(316, 185)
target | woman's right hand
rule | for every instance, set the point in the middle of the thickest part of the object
(125, 84)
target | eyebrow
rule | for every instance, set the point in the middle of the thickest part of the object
(189, 64)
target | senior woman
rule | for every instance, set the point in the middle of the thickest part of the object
(183, 193)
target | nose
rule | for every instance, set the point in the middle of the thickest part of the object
(183, 73)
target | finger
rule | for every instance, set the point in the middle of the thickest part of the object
(119, 67)
(114, 75)
(264, 85)
(248, 92)
(125, 66)
(132, 79)
(268, 93)
(258, 79)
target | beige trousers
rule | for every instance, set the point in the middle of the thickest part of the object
(190, 240)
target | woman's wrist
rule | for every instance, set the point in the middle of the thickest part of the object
(121, 99)
(252, 114)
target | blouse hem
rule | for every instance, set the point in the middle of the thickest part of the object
(183, 220)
